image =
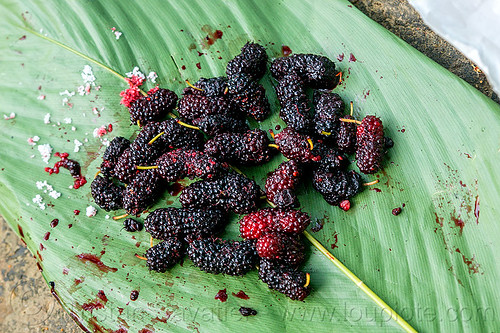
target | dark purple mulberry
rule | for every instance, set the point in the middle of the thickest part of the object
(196, 105)
(249, 96)
(219, 123)
(249, 148)
(251, 61)
(284, 279)
(106, 195)
(154, 106)
(132, 225)
(184, 223)
(226, 257)
(281, 183)
(165, 255)
(346, 137)
(328, 108)
(112, 153)
(370, 145)
(294, 103)
(296, 146)
(338, 185)
(142, 191)
(211, 87)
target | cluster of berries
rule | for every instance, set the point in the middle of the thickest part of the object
(169, 150)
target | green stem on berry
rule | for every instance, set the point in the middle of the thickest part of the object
(376, 181)
(147, 167)
(360, 284)
(155, 138)
(189, 84)
(345, 120)
(236, 169)
(272, 145)
(142, 258)
(120, 216)
(78, 53)
(187, 125)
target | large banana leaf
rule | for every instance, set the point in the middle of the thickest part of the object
(435, 264)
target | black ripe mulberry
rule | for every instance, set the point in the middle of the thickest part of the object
(370, 145)
(195, 105)
(184, 223)
(284, 279)
(328, 109)
(316, 71)
(281, 183)
(115, 149)
(281, 247)
(296, 146)
(289, 221)
(251, 61)
(106, 195)
(249, 96)
(181, 163)
(232, 192)
(154, 106)
(132, 225)
(142, 191)
(295, 111)
(331, 159)
(338, 185)
(249, 148)
(226, 257)
(211, 87)
(220, 123)
(165, 255)
(346, 136)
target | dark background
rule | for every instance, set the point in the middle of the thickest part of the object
(26, 304)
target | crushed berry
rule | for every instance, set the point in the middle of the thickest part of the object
(396, 211)
(247, 311)
(345, 205)
(221, 295)
(73, 167)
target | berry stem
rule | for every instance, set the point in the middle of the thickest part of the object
(236, 169)
(360, 284)
(151, 241)
(308, 279)
(273, 145)
(191, 85)
(326, 133)
(97, 174)
(155, 138)
(146, 167)
(339, 74)
(311, 146)
(350, 120)
(187, 125)
(120, 216)
(139, 123)
(352, 109)
(142, 258)
(376, 181)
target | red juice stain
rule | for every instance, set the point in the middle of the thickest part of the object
(438, 220)
(183, 67)
(134, 295)
(91, 306)
(72, 166)
(76, 212)
(21, 233)
(376, 189)
(102, 296)
(168, 314)
(157, 319)
(241, 294)
(65, 271)
(120, 310)
(70, 225)
(78, 281)
(42, 247)
(221, 295)
(54, 223)
(471, 264)
(145, 330)
(476, 209)
(458, 223)
(462, 184)
(23, 37)
(336, 239)
(200, 53)
(340, 57)
(352, 58)
(285, 50)
(198, 65)
(39, 267)
(46, 236)
(110, 128)
(218, 34)
(403, 130)
(87, 257)
(175, 189)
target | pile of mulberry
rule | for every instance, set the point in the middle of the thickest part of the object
(154, 106)
(248, 148)
(281, 184)
(184, 223)
(226, 257)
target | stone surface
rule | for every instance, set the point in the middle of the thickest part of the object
(26, 304)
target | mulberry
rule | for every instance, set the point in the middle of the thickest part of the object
(370, 145)
(284, 279)
(183, 163)
(247, 311)
(142, 191)
(316, 71)
(132, 225)
(251, 61)
(106, 195)
(249, 148)
(295, 111)
(212, 87)
(346, 137)
(281, 183)
(154, 106)
(226, 257)
(220, 123)
(184, 223)
(111, 155)
(281, 247)
(328, 108)
(256, 224)
(249, 96)
(331, 159)
(337, 186)
(125, 168)
(196, 105)
(296, 146)
(232, 192)
(165, 255)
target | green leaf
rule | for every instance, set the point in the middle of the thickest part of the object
(445, 159)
